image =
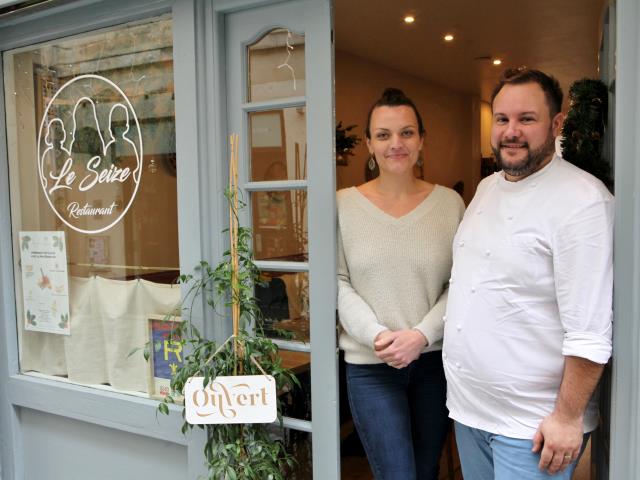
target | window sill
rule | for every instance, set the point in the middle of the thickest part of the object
(100, 406)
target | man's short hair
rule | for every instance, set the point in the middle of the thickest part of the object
(519, 76)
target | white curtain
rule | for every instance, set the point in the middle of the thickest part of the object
(108, 319)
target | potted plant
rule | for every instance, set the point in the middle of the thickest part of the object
(584, 128)
(232, 451)
(345, 143)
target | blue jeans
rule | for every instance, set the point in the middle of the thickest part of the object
(400, 416)
(486, 456)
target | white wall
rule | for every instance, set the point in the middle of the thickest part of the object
(57, 448)
(485, 129)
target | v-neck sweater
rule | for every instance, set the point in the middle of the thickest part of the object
(393, 272)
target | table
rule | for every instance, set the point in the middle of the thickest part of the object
(297, 362)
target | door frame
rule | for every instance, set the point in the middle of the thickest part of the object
(624, 461)
(316, 18)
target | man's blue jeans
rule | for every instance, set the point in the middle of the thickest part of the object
(400, 416)
(486, 456)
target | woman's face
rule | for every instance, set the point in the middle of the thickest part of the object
(395, 140)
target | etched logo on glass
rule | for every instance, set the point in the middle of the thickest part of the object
(90, 153)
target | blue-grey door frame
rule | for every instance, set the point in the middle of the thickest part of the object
(625, 395)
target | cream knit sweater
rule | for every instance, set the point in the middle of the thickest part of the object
(393, 272)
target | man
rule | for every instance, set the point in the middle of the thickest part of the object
(528, 324)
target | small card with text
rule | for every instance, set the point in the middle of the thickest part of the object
(239, 399)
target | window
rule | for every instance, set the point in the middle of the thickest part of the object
(278, 157)
(276, 115)
(91, 145)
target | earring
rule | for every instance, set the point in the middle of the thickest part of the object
(372, 162)
(420, 161)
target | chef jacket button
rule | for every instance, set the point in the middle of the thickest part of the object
(510, 217)
(459, 327)
(473, 289)
(458, 365)
(488, 253)
(479, 212)
(444, 355)
(444, 318)
(461, 244)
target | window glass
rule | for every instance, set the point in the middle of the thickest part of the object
(278, 152)
(283, 299)
(276, 66)
(299, 445)
(279, 144)
(296, 402)
(280, 225)
(91, 144)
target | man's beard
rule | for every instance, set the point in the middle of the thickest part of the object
(531, 162)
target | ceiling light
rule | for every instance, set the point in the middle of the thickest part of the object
(409, 19)
(497, 61)
(448, 37)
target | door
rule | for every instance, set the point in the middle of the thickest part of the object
(279, 79)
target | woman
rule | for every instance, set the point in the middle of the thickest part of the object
(395, 237)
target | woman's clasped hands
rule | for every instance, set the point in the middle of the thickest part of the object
(399, 348)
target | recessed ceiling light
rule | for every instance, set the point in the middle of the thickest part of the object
(497, 61)
(409, 19)
(448, 37)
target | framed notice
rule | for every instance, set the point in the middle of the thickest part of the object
(98, 253)
(165, 355)
(45, 282)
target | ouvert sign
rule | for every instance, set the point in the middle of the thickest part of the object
(90, 153)
(238, 399)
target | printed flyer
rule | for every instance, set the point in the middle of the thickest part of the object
(166, 356)
(45, 283)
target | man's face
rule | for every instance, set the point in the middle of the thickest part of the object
(522, 131)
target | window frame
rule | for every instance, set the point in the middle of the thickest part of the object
(103, 408)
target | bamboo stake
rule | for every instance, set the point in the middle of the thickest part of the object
(233, 245)
(235, 259)
(238, 347)
(236, 265)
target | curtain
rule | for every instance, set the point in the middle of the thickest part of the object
(108, 320)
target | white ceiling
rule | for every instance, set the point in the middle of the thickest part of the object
(560, 37)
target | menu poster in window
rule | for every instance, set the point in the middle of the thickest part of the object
(165, 354)
(45, 282)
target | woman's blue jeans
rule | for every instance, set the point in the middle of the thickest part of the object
(401, 416)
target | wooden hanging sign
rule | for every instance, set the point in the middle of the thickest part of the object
(235, 399)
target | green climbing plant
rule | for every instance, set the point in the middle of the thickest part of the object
(240, 451)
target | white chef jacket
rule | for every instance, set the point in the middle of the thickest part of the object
(531, 282)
